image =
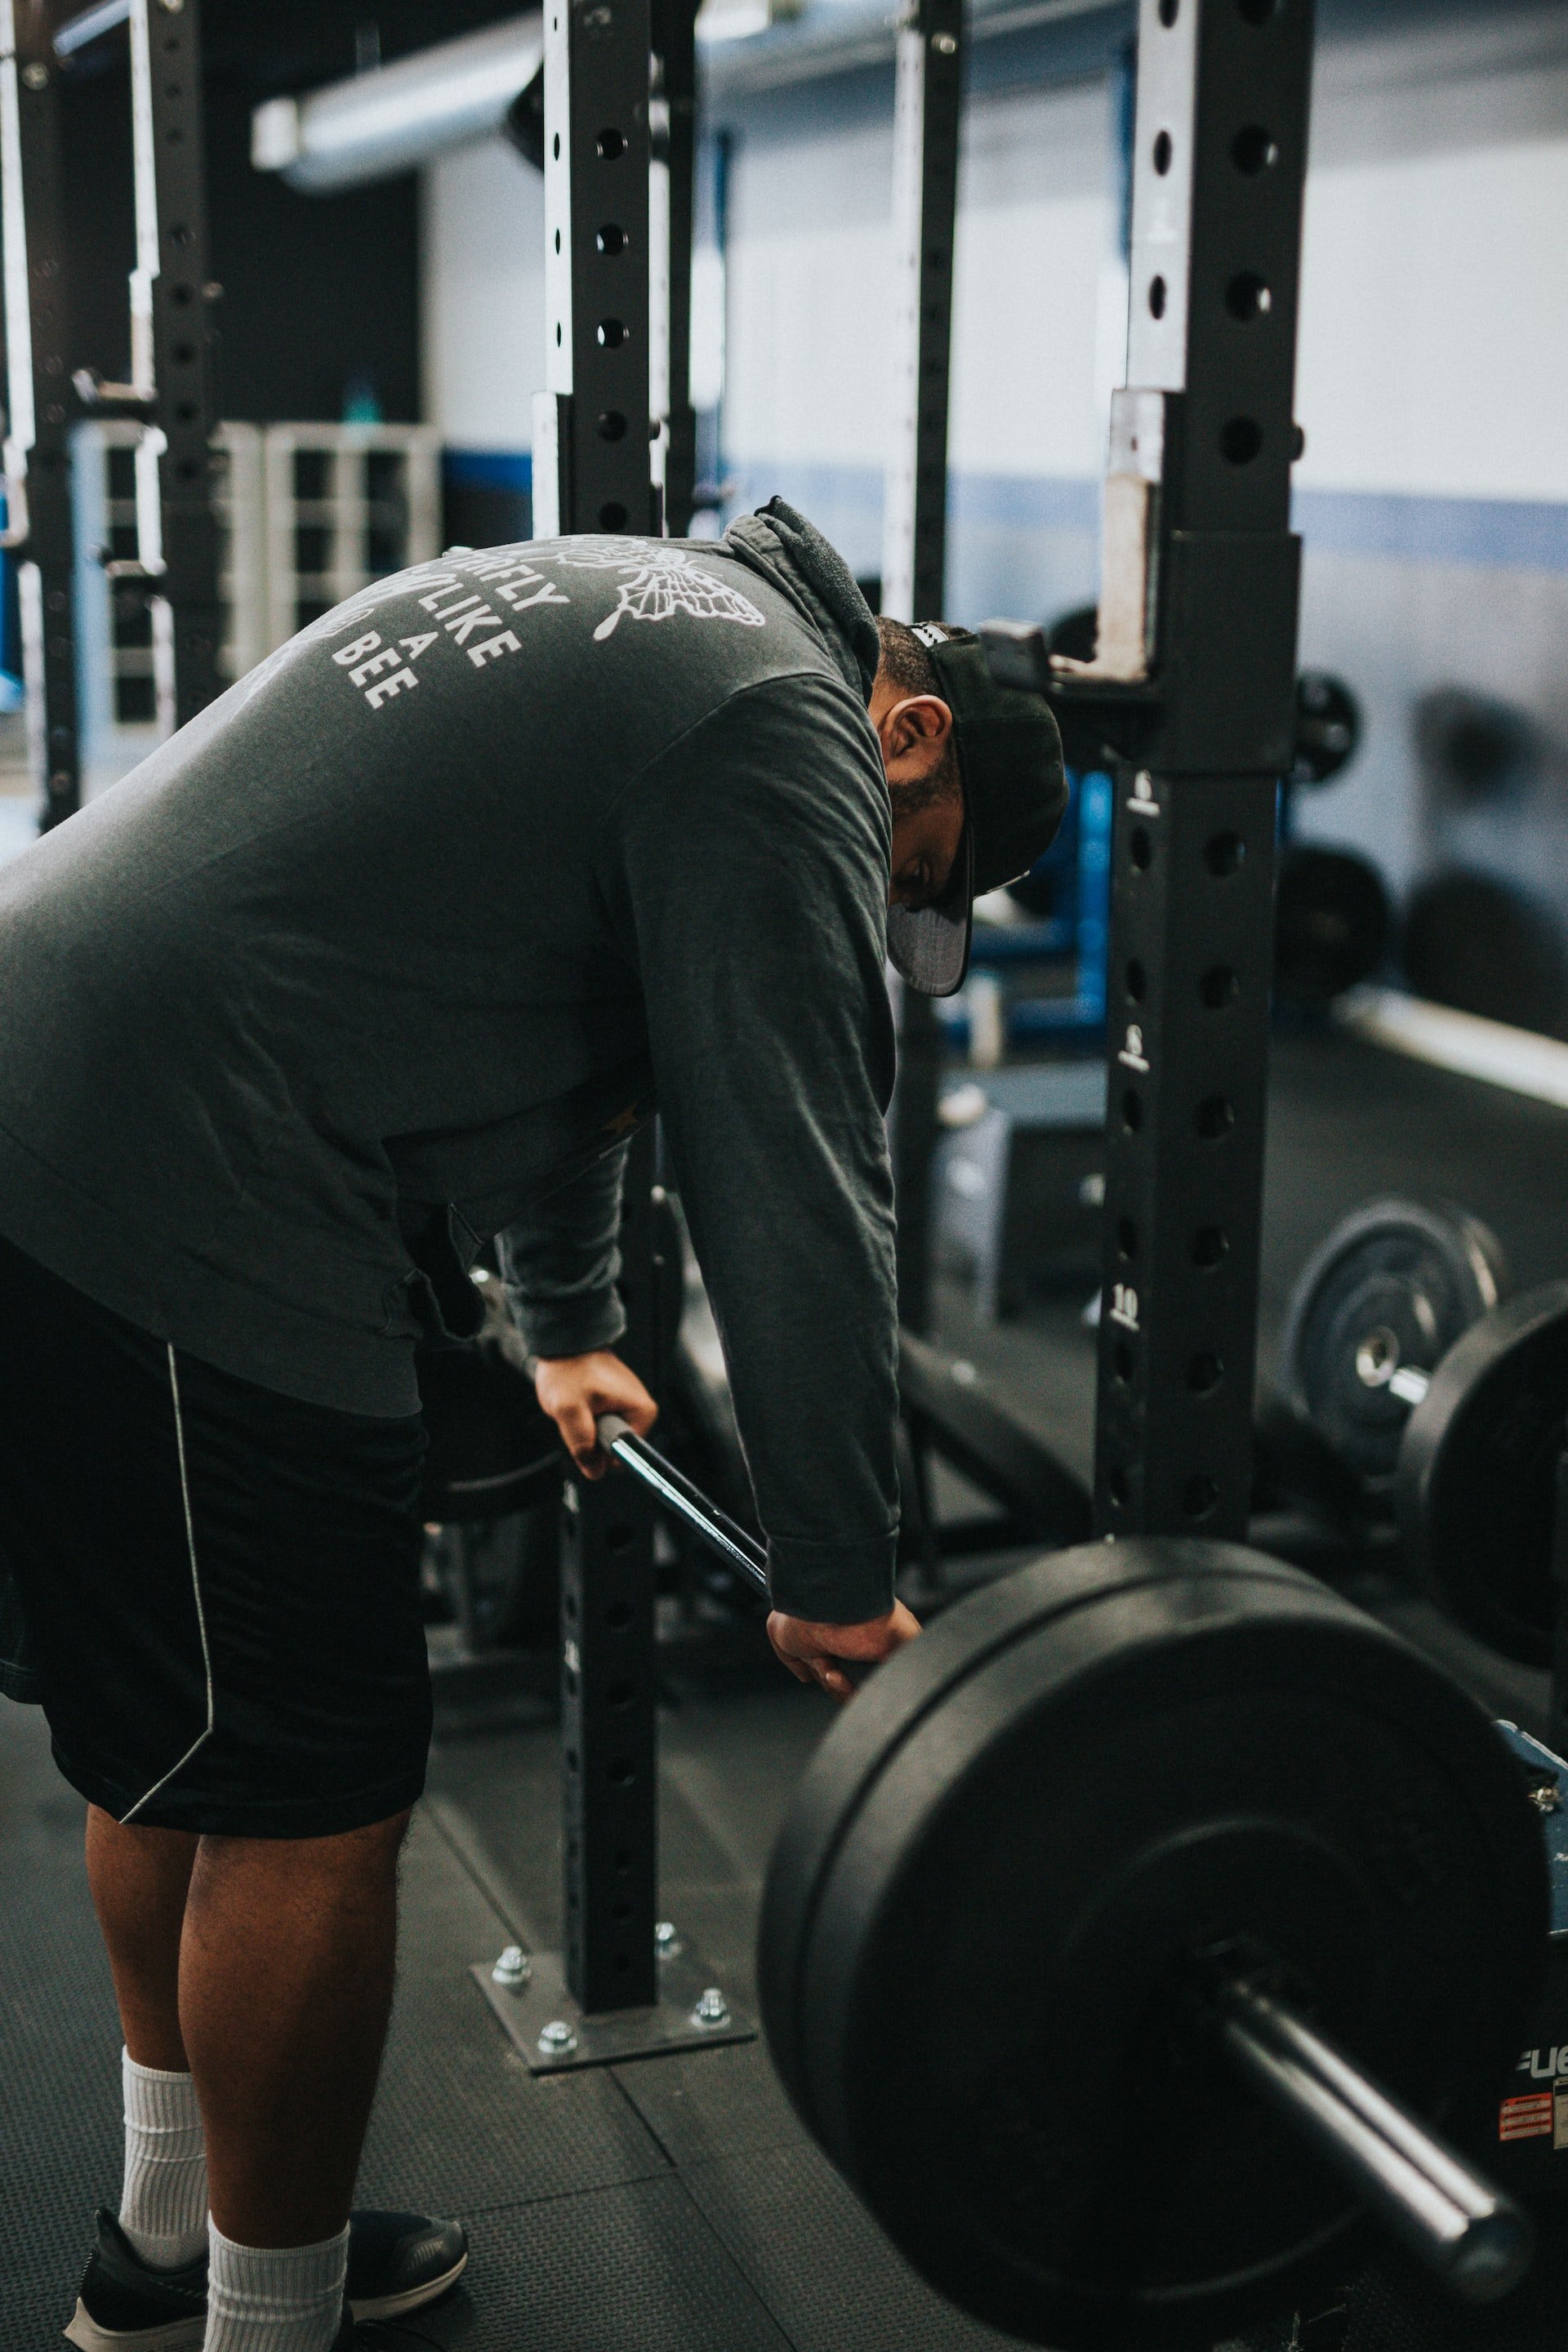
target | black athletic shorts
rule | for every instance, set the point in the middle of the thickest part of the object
(219, 1585)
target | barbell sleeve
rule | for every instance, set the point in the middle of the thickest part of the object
(1455, 2222)
(679, 1495)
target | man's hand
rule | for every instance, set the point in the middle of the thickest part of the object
(575, 1389)
(810, 1651)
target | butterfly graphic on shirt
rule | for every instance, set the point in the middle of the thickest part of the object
(662, 581)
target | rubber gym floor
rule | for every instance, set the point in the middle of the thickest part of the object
(676, 2202)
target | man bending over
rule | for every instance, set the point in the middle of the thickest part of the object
(386, 954)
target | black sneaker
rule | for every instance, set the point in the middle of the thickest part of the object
(400, 2262)
(397, 2263)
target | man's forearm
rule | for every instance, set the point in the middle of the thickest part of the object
(561, 1264)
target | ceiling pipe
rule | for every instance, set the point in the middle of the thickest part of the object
(397, 117)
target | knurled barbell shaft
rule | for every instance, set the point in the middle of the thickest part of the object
(689, 1503)
(1449, 2214)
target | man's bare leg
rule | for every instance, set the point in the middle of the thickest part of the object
(139, 1879)
(282, 1978)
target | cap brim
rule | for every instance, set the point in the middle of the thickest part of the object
(928, 946)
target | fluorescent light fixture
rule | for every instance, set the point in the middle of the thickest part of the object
(399, 115)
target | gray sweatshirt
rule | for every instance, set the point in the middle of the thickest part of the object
(388, 951)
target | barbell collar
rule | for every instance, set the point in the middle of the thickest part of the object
(1465, 2231)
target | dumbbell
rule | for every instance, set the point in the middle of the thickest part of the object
(1140, 1930)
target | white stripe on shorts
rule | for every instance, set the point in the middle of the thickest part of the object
(205, 1734)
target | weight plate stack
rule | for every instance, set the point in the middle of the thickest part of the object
(1328, 727)
(984, 1911)
(1477, 1475)
(1331, 923)
(1376, 1307)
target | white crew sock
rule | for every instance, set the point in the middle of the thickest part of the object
(164, 2208)
(275, 2298)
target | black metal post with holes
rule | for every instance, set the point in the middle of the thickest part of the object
(627, 1985)
(38, 528)
(675, 46)
(1199, 595)
(927, 106)
(591, 469)
(608, 1682)
(172, 251)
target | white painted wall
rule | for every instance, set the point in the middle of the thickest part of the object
(482, 273)
(1434, 344)
(1433, 359)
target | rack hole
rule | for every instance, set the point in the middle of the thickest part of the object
(1162, 152)
(623, 1771)
(1169, 11)
(569, 1607)
(1249, 297)
(1224, 854)
(1205, 1374)
(612, 424)
(1132, 1110)
(1219, 987)
(611, 146)
(1240, 439)
(1210, 1243)
(619, 1616)
(1140, 848)
(555, 147)
(571, 1760)
(1117, 1483)
(612, 516)
(1127, 1237)
(1254, 150)
(1122, 1360)
(611, 239)
(612, 334)
(1136, 980)
(1215, 1117)
(1156, 298)
(620, 1694)
(1199, 1496)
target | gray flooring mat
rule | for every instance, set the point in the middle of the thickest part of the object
(708, 2104)
(830, 2278)
(61, 2141)
(459, 2122)
(634, 2269)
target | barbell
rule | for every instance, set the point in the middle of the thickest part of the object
(1140, 1929)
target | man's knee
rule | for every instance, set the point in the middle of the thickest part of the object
(359, 1855)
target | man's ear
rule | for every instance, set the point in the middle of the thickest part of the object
(922, 719)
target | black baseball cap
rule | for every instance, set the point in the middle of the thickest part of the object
(1014, 792)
